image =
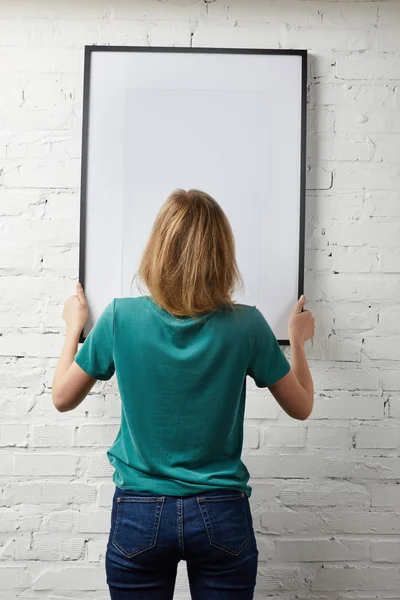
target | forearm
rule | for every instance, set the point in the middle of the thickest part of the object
(301, 369)
(67, 356)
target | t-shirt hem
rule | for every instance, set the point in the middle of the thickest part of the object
(280, 376)
(178, 490)
(84, 367)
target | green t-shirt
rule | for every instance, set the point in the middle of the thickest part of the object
(182, 383)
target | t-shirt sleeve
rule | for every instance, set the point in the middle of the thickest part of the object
(96, 355)
(267, 363)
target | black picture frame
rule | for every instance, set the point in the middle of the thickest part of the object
(89, 50)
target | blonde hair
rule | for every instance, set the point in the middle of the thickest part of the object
(189, 264)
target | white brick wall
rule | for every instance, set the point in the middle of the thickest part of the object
(325, 499)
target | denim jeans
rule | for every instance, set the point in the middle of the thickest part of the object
(212, 532)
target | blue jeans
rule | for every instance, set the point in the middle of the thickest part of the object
(212, 532)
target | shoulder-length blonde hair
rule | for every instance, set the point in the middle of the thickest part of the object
(189, 264)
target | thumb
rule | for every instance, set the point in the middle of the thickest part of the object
(300, 305)
(80, 293)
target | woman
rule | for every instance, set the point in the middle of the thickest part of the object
(181, 357)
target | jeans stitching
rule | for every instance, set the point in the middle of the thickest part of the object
(139, 499)
(180, 526)
(221, 498)
(207, 523)
(156, 526)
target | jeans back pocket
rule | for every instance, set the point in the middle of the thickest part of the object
(137, 523)
(226, 521)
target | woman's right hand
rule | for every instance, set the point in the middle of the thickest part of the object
(301, 324)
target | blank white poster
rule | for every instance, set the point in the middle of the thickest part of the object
(227, 124)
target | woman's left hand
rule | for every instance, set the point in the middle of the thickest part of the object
(76, 312)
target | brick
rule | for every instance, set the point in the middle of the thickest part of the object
(368, 436)
(287, 436)
(354, 147)
(96, 435)
(66, 259)
(50, 492)
(45, 10)
(357, 317)
(236, 36)
(261, 407)
(112, 406)
(360, 176)
(340, 406)
(388, 13)
(98, 466)
(389, 261)
(318, 550)
(325, 494)
(379, 348)
(30, 344)
(60, 520)
(70, 579)
(266, 550)
(368, 68)
(360, 578)
(264, 494)
(251, 437)
(367, 288)
(14, 435)
(292, 14)
(384, 145)
(105, 494)
(21, 312)
(349, 14)
(164, 11)
(39, 173)
(383, 551)
(385, 495)
(114, 32)
(6, 464)
(353, 260)
(63, 204)
(284, 522)
(361, 523)
(321, 436)
(96, 550)
(390, 378)
(45, 549)
(371, 120)
(14, 577)
(393, 403)
(35, 464)
(324, 38)
(95, 521)
(356, 233)
(47, 436)
(20, 203)
(344, 376)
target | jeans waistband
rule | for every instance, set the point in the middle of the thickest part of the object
(218, 492)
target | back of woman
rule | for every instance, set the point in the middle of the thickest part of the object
(181, 355)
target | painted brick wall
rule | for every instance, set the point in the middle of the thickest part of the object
(326, 498)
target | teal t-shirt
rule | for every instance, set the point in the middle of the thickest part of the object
(182, 383)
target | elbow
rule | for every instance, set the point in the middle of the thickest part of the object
(59, 403)
(61, 408)
(303, 416)
(306, 411)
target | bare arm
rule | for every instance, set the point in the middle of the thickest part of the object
(295, 391)
(70, 383)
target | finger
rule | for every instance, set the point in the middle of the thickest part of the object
(80, 293)
(300, 304)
